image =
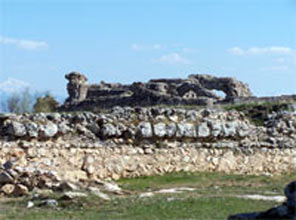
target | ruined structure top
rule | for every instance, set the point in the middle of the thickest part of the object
(196, 89)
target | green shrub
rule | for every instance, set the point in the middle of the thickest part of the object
(46, 104)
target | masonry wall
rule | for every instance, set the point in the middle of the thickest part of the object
(129, 142)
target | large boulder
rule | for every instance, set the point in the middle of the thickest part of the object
(16, 129)
(145, 130)
(203, 130)
(284, 211)
(32, 129)
(48, 130)
(160, 129)
(187, 130)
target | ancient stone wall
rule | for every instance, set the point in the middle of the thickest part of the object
(129, 142)
(194, 90)
(259, 100)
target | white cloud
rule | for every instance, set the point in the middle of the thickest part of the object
(141, 47)
(236, 51)
(275, 68)
(173, 58)
(13, 85)
(24, 44)
(273, 50)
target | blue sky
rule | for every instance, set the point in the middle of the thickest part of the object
(127, 40)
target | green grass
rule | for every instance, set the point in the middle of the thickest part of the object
(208, 181)
(214, 198)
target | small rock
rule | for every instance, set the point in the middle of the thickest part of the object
(73, 195)
(90, 169)
(8, 189)
(109, 187)
(89, 159)
(20, 190)
(98, 193)
(49, 202)
(5, 178)
(30, 204)
(66, 185)
(146, 194)
(8, 165)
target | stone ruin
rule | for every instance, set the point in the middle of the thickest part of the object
(196, 89)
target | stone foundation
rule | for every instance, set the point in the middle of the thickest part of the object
(142, 142)
(76, 164)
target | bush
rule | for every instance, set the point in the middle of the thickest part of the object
(46, 104)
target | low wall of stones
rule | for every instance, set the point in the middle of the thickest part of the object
(254, 99)
(80, 164)
(130, 142)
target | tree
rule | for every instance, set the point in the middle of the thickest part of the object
(26, 101)
(23, 102)
(46, 104)
(12, 103)
(19, 102)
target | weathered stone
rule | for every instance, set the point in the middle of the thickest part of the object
(186, 130)
(32, 129)
(203, 130)
(76, 87)
(8, 165)
(98, 193)
(66, 185)
(16, 129)
(74, 176)
(145, 130)
(20, 190)
(49, 202)
(30, 204)
(8, 189)
(5, 177)
(171, 129)
(196, 89)
(216, 127)
(63, 128)
(108, 130)
(243, 130)
(229, 129)
(73, 195)
(159, 129)
(49, 130)
(284, 211)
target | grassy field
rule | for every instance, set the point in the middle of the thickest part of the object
(214, 197)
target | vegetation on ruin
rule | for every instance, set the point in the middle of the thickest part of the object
(214, 198)
(258, 112)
